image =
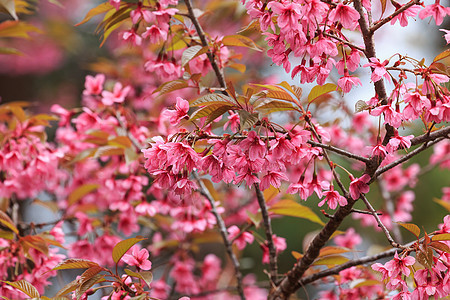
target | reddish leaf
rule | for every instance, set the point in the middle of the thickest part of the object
(75, 263)
(25, 287)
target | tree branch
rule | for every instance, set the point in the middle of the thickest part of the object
(380, 224)
(202, 36)
(223, 231)
(393, 15)
(405, 158)
(339, 151)
(268, 229)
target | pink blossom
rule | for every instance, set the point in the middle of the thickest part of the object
(131, 37)
(359, 186)
(399, 265)
(391, 117)
(447, 35)
(403, 17)
(289, 14)
(436, 10)
(242, 239)
(345, 14)
(154, 34)
(347, 82)
(180, 112)
(402, 142)
(379, 70)
(115, 3)
(349, 240)
(272, 178)
(138, 258)
(332, 198)
(116, 96)
(94, 85)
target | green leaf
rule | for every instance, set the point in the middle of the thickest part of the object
(6, 221)
(191, 53)
(80, 192)
(208, 110)
(240, 41)
(320, 90)
(441, 237)
(146, 276)
(287, 207)
(75, 263)
(247, 120)
(213, 99)
(123, 246)
(171, 86)
(25, 287)
(414, 229)
(100, 9)
(331, 260)
(10, 7)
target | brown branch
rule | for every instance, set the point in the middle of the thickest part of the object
(443, 132)
(339, 151)
(202, 36)
(349, 264)
(405, 158)
(344, 41)
(393, 15)
(380, 224)
(268, 229)
(223, 231)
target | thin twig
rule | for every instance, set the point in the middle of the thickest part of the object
(390, 207)
(268, 229)
(202, 36)
(223, 231)
(405, 158)
(364, 212)
(430, 136)
(393, 15)
(339, 151)
(343, 41)
(380, 224)
(349, 264)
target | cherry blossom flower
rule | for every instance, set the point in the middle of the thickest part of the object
(399, 265)
(447, 35)
(347, 82)
(379, 70)
(345, 14)
(94, 85)
(359, 186)
(402, 18)
(117, 95)
(154, 34)
(349, 240)
(333, 198)
(436, 10)
(180, 112)
(138, 258)
(242, 240)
